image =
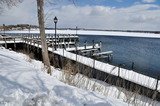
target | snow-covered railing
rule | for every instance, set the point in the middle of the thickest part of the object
(129, 75)
(138, 78)
(105, 67)
(9, 39)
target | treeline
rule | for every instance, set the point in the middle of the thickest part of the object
(27, 26)
(139, 31)
(155, 32)
(18, 27)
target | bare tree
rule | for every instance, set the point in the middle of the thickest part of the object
(40, 10)
(8, 4)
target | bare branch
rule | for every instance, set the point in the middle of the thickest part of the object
(73, 1)
(8, 4)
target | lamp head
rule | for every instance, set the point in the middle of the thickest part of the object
(55, 20)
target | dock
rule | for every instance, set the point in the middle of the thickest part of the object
(67, 42)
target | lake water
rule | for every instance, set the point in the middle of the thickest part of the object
(144, 52)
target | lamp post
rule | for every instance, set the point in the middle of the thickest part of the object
(55, 21)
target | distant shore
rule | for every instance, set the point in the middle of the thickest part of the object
(88, 32)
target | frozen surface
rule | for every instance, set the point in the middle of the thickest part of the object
(24, 82)
(89, 32)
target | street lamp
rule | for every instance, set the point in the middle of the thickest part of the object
(55, 21)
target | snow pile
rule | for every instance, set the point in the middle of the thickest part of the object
(24, 82)
(81, 81)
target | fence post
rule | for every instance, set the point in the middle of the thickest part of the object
(100, 45)
(93, 43)
(38, 42)
(14, 43)
(132, 65)
(85, 44)
(34, 41)
(65, 42)
(5, 42)
(119, 67)
(154, 96)
(58, 41)
(93, 63)
(63, 52)
(68, 40)
(30, 39)
(25, 38)
(157, 84)
(118, 71)
(76, 51)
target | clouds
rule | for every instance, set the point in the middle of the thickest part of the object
(135, 17)
(149, 1)
(23, 13)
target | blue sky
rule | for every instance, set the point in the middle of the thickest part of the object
(115, 3)
(99, 14)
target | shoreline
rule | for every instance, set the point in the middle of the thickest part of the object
(88, 32)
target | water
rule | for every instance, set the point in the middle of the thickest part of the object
(144, 52)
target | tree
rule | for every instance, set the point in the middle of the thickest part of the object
(40, 10)
(8, 3)
(40, 13)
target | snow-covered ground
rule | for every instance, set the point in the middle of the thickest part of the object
(89, 32)
(24, 82)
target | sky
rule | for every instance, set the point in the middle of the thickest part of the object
(97, 14)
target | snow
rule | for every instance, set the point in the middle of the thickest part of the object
(103, 88)
(24, 82)
(2, 42)
(89, 32)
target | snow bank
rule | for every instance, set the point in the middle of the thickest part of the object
(103, 88)
(24, 82)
